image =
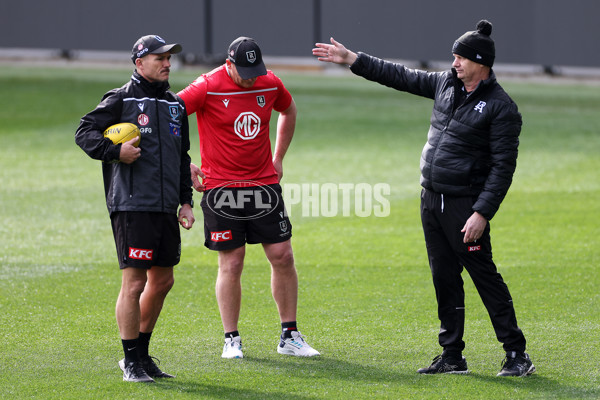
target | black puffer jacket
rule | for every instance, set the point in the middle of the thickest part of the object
(158, 181)
(471, 148)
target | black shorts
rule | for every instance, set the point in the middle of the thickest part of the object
(234, 216)
(146, 239)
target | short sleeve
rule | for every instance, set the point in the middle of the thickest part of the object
(284, 98)
(194, 95)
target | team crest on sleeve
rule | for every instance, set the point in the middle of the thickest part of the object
(261, 100)
(174, 111)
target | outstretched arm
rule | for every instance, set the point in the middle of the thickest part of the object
(334, 53)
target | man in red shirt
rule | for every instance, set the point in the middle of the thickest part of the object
(242, 201)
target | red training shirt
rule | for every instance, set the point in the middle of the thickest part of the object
(233, 125)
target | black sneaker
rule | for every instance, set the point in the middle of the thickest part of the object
(134, 372)
(152, 369)
(446, 365)
(516, 364)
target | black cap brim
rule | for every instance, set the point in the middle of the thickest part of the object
(168, 48)
(251, 72)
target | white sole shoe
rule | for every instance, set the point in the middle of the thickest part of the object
(296, 346)
(233, 348)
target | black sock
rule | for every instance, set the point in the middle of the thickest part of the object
(143, 344)
(454, 354)
(130, 348)
(287, 328)
(231, 334)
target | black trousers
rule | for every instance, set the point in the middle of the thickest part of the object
(443, 217)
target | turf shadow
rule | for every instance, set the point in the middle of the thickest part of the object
(332, 368)
(215, 391)
(551, 387)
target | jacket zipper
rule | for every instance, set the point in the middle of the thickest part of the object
(130, 182)
(467, 100)
(437, 146)
(162, 189)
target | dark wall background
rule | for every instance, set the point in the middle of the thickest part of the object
(541, 32)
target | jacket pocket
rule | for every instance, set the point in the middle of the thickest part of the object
(130, 183)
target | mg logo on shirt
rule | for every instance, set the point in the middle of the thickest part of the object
(247, 125)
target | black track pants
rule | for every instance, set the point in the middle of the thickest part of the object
(443, 217)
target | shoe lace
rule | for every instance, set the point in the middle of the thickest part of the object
(138, 369)
(154, 360)
(436, 359)
(299, 337)
(150, 363)
(233, 344)
(442, 363)
(508, 362)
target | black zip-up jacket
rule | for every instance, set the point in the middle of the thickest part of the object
(472, 143)
(158, 181)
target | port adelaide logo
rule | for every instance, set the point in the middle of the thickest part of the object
(174, 111)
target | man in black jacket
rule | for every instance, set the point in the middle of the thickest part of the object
(144, 187)
(467, 166)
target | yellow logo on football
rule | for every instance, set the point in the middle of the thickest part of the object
(123, 132)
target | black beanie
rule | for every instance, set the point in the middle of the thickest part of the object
(477, 45)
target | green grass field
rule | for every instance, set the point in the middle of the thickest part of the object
(366, 297)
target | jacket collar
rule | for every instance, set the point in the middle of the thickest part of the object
(486, 83)
(152, 88)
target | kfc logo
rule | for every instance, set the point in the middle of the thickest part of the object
(474, 248)
(220, 236)
(140, 254)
